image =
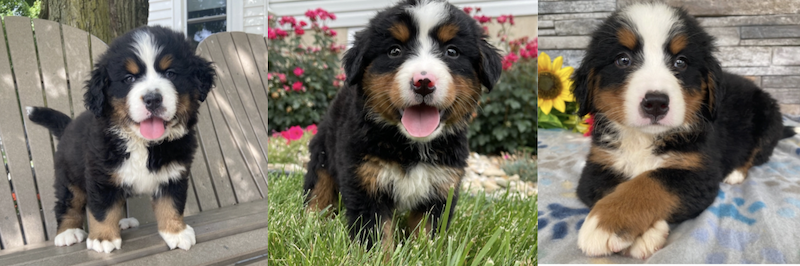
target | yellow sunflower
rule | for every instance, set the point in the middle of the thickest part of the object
(554, 84)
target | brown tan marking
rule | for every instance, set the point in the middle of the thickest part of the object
(711, 87)
(749, 163)
(382, 95)
(323, 194)
(168, 218)
(368, 172)
(165, 62)
(608, 101)
(400, 32)
(108, 228)
(131, 66)
(414, 223)
(694, 102)
(627, 38)
(73, 218)
(447, 32)
(684, 160)
(634, 206)
(119, 112)
(462, 100)
(677, 43)
(601, 156)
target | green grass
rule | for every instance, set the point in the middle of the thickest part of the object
(484, 231)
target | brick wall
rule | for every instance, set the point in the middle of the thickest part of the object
(759, 39)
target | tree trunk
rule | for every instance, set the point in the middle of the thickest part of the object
(105, 19)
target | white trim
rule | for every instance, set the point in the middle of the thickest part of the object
(235, 15)
(179, 15)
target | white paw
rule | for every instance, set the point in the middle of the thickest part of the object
(126, 223)
(104, 246)
(594, 241)
(70, 236)
(735, 177)
(183, 240)
(29, 109)
(651, 241)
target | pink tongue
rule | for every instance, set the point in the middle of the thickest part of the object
(420, 120)
(152, 128)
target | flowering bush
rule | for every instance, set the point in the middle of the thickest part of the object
(507, 116)
(302, 77)
(289, 145)
(557, 105)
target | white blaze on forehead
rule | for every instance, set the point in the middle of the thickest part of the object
(147, 50)
(653, 23)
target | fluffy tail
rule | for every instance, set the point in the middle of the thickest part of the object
(53, 120)
(788, 131)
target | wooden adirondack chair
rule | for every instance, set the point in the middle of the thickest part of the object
(227, 203)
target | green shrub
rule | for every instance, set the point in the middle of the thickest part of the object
(301, 99)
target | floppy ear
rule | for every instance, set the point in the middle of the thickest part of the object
(203, 76)
(714, 92)
(581, 89)
(353, 60)
(491, 65)
(94, 99)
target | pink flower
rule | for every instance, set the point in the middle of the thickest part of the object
(312, 129)
(511, 19)
(467, 10)
(299, 31)
(297, 86)
(482, 19)
(282, 77)
(341, 77)
(533, 47)
(325, 28)
(332, 33)
(502, 19)
(271, 34)
(269, 76)
(288, 20)
(294, 133)
(281, 33)
(331, 16)
(286, 87)
(509, 60)
(336, 83)
(311, 14)
(298, 71)
(303, 23)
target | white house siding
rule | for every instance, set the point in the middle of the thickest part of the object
(243, 15)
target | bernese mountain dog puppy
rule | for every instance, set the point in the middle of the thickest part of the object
(670, 126)
(395, 137)
(137, 137)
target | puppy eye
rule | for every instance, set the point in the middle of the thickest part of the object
(129, 79)
(395, 52)
(680, 63)
(170, 73)
(623, 60)
(451, 52)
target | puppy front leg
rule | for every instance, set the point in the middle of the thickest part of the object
(104, 216)
(168, 207)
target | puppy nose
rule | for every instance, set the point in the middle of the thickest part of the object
(152, 100)
(655, 105)
(424, 83)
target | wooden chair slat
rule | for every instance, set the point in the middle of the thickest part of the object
(244, 106)
(258, 44)
(10, 230)
(54, 80)
(26, 72)
(222, 114)
(201, 179)
(98, 48)
(191, 207)
(79, 64)
(253, 94)
(140, 208)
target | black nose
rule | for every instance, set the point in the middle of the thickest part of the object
(424, 87)
(655, 105)
(152, 101)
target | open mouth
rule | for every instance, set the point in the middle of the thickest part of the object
(420, 120)
(152, 128)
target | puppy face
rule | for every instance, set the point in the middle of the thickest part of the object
(650, 67)
(420, 66)
(149, 84)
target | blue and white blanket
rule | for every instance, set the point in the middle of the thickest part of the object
(757, 221)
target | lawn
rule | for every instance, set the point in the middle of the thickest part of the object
(484, 231)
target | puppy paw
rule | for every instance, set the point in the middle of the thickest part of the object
(596, 241)
(651, 241)
(735, 177)
(104, 245)
(183, 240)
(126, 223)
(70, 236)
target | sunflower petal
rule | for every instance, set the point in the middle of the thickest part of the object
(557, 63)
(546, 106)
(559, 105)
(565, 73)
(544, 62)
(539, 101)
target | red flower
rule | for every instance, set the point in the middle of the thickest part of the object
(303, 23)
(299, 31)
(336, 83)
(341, 77)
(288, 20)
(282, 77)
(312, 129)
(331, 16)
(271, 34)
(509, 60)
(281, 33)
(298, 71)
(483, 19)
(294, 133)
(467, 10)
(502, 19)
(297, 86)
(311, 14)
(269, 76)
(533, 47)
(511, 19)
(332, 33)
(589, 121)
(286, 87)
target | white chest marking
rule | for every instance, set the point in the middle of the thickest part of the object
(134, 173)
(416, 185)
(635, 153)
